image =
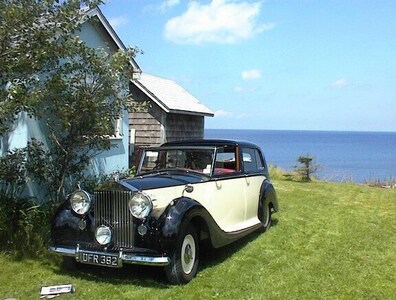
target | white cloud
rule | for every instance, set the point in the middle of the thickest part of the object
(222, 113)
(230, 115)
(241, 116)
(340, 83)
(163, 7)
(238, 89)
(168, 4)
(220, 21)
(251, 74)
(118, 21)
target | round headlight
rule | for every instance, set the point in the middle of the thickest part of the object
(103, 235)
(80, 202)
(140, 205)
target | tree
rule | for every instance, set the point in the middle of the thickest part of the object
(75, 92)
(306, 168)
(34, 37)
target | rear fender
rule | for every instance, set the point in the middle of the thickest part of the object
(268, 194)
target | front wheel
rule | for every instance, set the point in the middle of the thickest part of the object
(184, 261)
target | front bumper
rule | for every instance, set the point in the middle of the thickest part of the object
(122, 257)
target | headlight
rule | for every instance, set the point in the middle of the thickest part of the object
(80, 202)
(103, 235)
(140, 205)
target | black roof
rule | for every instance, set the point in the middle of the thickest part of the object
(211, 142)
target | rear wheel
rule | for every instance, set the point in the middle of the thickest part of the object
(265, 216)
(184, 261)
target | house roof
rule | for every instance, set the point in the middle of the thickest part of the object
(170, 96)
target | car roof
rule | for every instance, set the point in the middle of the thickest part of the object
(211, 142)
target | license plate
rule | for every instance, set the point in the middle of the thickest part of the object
(99, 259)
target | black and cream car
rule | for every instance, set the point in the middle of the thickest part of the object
(184, 194)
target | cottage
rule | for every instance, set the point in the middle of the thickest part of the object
(173, 113)
(96, 33)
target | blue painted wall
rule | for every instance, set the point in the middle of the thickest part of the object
(27, 128)
(115, 159)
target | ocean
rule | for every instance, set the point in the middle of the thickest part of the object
(342, 156)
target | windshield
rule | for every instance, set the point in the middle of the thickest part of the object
(191, 159)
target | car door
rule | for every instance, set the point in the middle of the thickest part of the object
(224, 195)
(253, 167)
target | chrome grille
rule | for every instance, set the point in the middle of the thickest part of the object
(111, 209)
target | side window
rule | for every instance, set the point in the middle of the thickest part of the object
(260, 161)
(225, 161)
(252, 160)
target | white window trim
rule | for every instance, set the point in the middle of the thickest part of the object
(118, 129)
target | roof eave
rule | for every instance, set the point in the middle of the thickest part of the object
(193, 113)
(164, 107)
(157, 101)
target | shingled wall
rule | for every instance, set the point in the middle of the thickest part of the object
(181, 127)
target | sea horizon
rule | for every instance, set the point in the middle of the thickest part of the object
(344, 156)
(309, 130)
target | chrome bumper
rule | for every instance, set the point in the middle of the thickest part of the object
(128, 258)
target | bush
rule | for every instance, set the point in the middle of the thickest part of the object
(306, 168)
(24, 222)
(24, 226)
(276, 172)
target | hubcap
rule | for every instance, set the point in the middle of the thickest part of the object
(267, 216)
(188, 254)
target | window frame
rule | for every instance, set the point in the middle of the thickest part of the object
(257, 160)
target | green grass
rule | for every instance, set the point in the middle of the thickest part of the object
(329, 241)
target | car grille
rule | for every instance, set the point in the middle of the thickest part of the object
(111, 209)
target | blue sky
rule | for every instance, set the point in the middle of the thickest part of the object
(274, 64)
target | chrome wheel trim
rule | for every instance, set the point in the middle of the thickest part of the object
(267, 216)
(188, 253)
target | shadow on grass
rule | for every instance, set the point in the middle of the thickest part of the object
(146, 276)
(210, 257)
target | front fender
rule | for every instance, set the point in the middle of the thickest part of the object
(65, 227)
(179, 213)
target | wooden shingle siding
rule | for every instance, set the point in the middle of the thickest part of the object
(148, 125)
(147, 140)
(181, 127)
(172, 115)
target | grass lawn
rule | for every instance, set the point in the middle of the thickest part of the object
(334, 241)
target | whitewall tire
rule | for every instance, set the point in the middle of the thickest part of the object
(184, 261)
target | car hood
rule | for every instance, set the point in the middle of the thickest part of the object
(161, 180)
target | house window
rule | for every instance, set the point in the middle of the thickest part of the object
(118, 127)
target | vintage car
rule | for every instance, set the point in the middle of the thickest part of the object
(184, 194)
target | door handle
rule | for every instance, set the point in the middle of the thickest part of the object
(218, 185)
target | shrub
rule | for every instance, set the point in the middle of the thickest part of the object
(306, 168)
(24, 226)
(25, 222)
(276, 172)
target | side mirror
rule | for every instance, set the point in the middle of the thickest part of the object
(188, 188)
